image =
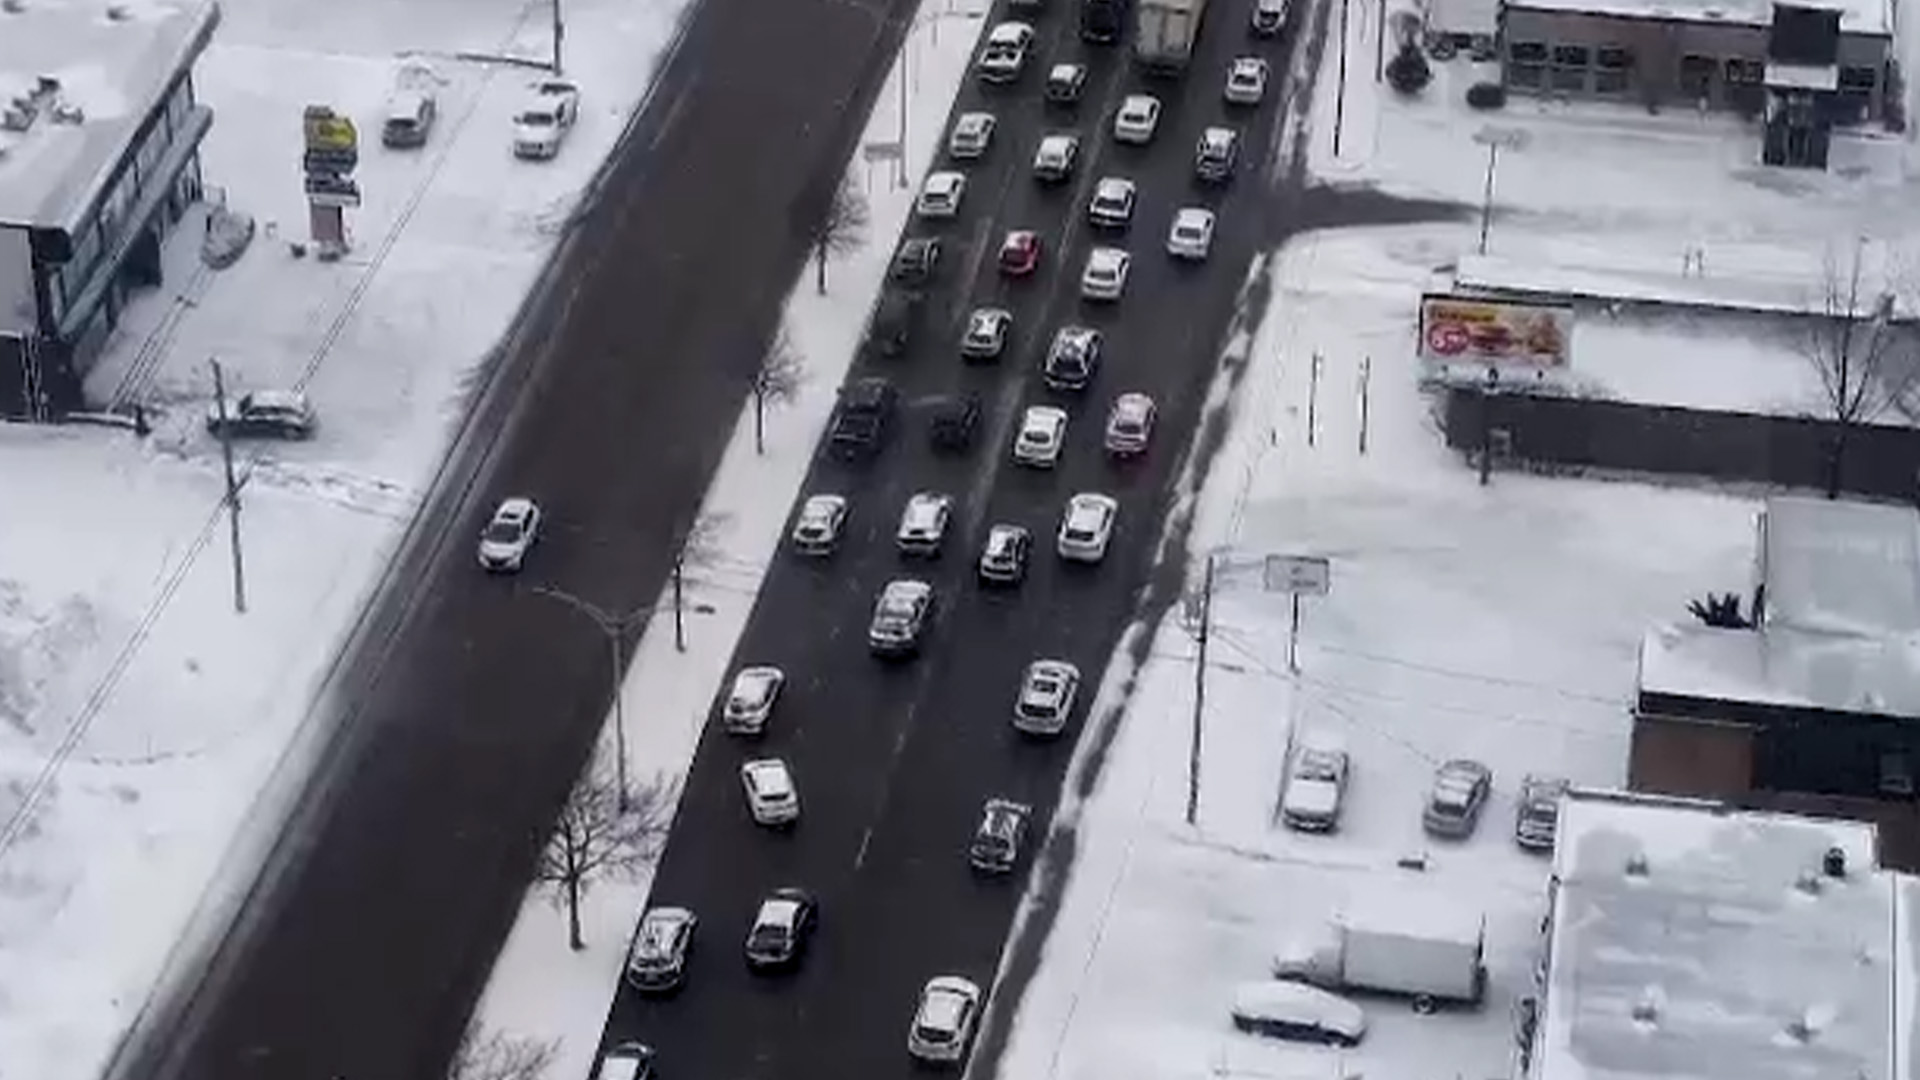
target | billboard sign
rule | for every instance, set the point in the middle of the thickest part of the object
(1301, 575)
(1486, 332)
(329, 132)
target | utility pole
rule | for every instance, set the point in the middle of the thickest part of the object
(1313, 398)
(1199, 693)
(1380, 43)
(233, 490)
(1340, 91)
(900, 165)
(1486, 196)
(1366, 380)
(679, 600)
(559, 35)
(1486, 424)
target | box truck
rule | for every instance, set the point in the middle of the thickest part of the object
(1421, 946)
(1165, 32)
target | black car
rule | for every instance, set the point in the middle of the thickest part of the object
(894, 319)
(915, 260)
(998, 838)
(781, 929)
(956, 417)
(1065, 83)
(1072, 359)
(1216, 154)
(862, 417)
(1003, 561)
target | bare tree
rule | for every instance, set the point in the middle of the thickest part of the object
(496, 1055)
(775, 382)
(1866, 363)
(699, 546)
(595, 837)
(841, 231)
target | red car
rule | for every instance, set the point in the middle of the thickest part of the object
(1020, 253)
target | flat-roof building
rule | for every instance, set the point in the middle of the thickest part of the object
(99, 157)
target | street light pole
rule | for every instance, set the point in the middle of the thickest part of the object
(1486, 198)
(559, 35)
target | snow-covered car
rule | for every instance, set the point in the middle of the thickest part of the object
(1297, 1012)
(1268, 17)
(1316, 784)
(626, 1061)
(1020, 253)
(940, 195)
(971, 136)
(900, 617)
(1005, 55)
(1003, 559)
(1055, 159)
(817, 528)
(751, 698)
(1086, 528)
(944, 1020)
(781, 928)
(1047, 692)
(772, 798)
(657, 959)
(1073, 359)
(509, 534)
(544, 120)
(986, 334)
(1536, 819)
(923, 523)
(1105, 276)
(1216, 155)
(998, 838)
(1065, 83)
(277, 413)
(915, 260)
(1130, 424)
(1137, 120)
(1112, 204)
(1459, 794)
(408, 117)
(1042, 434)
(1246, 81)
(1191, 235)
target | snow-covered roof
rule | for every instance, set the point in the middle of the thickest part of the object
(1784, 667)
(1856, 16)
(1840, 567)
(112, 62)
(1692, 940)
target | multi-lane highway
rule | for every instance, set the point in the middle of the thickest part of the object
(893, 760)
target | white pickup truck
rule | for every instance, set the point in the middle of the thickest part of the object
(543, 122)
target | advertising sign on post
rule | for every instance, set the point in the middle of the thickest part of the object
(332, 153)
(1482, 332)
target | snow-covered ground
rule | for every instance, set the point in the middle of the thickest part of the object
(540, 990)
(139, 715)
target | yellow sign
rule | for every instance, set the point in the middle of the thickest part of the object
(327, 130)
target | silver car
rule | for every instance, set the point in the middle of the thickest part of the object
(1460, 791)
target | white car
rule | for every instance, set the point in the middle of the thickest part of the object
(1055, 158)
(509, 535)
(986, 334)
(940, 196)
(1105, 275)
(1296, 1011)
(1316, 784)
(1005, 54)
(1137, 120)
(1112, 203)
(751, 698)
(817, 528)
(1047, 693)
(543, 122)
(900, 617)
(1087, 527)
(944, 1021)
(971, 136)
(772, 798)
(1043, 432)
(1246, 81)
(923, 524)
(1191, 236)
(1130, 424)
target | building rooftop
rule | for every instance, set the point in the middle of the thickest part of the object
(109, 63)
(1856, 16)
(1833, 566)
(1695, 941)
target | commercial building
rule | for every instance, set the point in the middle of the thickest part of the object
(1802, 67)
(99, 157)
(1690, 939)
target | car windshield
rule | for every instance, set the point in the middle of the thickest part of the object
(1318, 765)
(767, 936)
(532, 118)
(502, 532)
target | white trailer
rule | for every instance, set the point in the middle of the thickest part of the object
(1165, 33)
(1420, 946)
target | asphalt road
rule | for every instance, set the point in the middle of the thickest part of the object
(464, 707)
(894, 760)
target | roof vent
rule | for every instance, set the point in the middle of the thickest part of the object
(1647, 1008)
(1637, 864)
(45, 86)
(13, 7)
(66, 112)
(16, 117)
(119, 13)
(1809, 1024)
(1808, 882)
(1834, 863)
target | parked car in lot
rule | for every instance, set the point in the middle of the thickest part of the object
(1056, 158)
(862, 417)
(1459, 794)
(1216, 155)
(781, 929)
(956, 417)
(751, 698)
(1042, 434)
(274, 413)
(657, 958)
(509, 535)
(1073, 359)
(626, 1061)
(1536, 821)
(1130, 425)
(998, 838)
(1246, 81)
(408, 118)
(1112, 204)
(543, 121)
(915, 260)
(1316, 784)
(971, 137)
(1298, 1012)
(1066, 83)
(818, 525)
(923, 524)
(1087, 527)
(940, 195)
(1048, 689)
(1020, 253)
(900, 618)
(1003, 559)
(1005, 55)
(1137, 119)
(1104, 278)
(986, 334)
(1191, 235)
(772, 797)
(944, 1020)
